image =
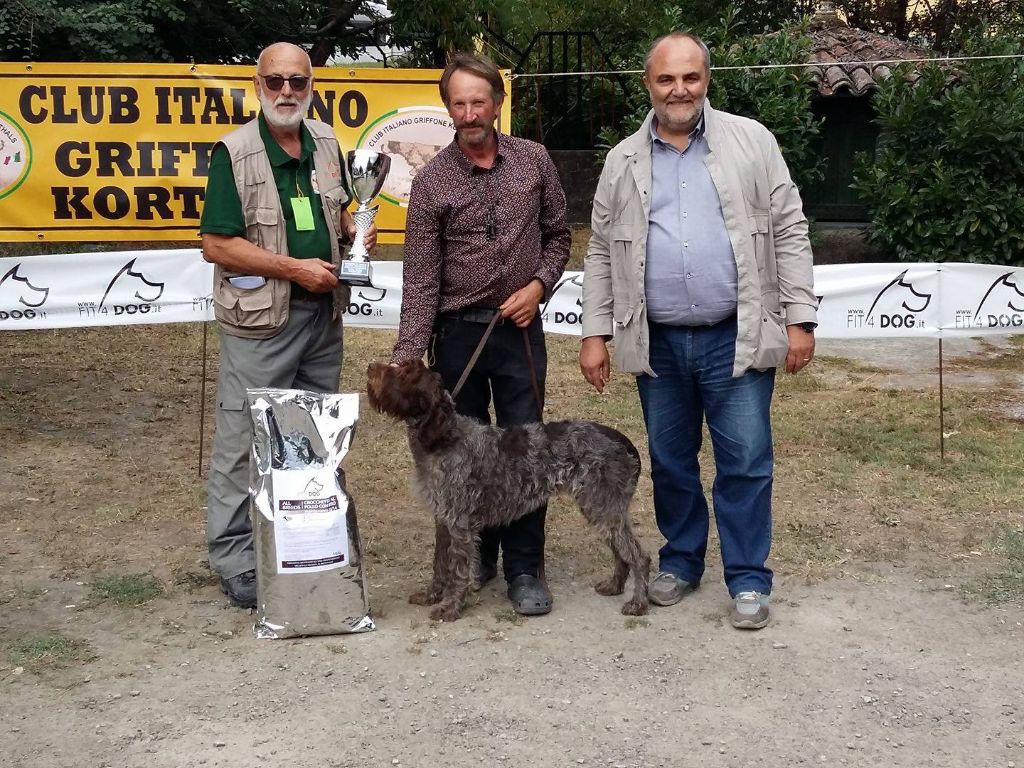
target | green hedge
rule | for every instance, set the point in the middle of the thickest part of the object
(947, 179)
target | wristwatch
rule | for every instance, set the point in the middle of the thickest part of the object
(809, 327)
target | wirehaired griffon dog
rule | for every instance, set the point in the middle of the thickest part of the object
(474, 475)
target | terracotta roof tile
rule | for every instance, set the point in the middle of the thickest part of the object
(844, 53)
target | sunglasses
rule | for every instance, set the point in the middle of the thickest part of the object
(276, 82)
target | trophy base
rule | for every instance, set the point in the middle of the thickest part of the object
(358, 273)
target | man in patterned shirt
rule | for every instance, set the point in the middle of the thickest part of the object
(486, 234)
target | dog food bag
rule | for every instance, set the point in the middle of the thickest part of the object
(309, 574)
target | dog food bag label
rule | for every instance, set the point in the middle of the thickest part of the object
(309, 521)
(309, 574)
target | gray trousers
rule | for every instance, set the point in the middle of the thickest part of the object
(306, 354)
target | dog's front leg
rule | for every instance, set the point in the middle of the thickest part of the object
(432, 594)
(458, 574)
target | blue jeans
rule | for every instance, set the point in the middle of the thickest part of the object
(694, 381)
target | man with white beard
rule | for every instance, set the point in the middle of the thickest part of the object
(273, 221)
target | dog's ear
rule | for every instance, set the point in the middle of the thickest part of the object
(436, 381)
(435, 431)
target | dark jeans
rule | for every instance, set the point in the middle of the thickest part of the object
(504, 372)
(695, 384)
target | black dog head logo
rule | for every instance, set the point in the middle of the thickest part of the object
(127, 279)
(1005, 293)
(27, 294)
(576, 280)
(383, 292)
(902, 292)
(313, 488)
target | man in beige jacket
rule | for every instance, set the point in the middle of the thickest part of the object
(700, 268)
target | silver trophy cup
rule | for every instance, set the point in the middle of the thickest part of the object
(367, 170)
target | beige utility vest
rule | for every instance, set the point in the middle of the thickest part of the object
(260, 313)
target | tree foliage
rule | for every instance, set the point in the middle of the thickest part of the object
(947, 182)
(204, 31)
(431, 29)
(940, 25)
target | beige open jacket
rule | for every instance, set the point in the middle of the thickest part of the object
(767, 228)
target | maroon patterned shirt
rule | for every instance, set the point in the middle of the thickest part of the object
(474, 236)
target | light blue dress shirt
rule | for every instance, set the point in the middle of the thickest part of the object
(690, 275)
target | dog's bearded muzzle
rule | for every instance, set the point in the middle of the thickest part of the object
(404, 390)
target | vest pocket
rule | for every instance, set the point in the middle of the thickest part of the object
(251, 309)
(261, 227)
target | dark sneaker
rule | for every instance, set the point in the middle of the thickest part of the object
(529, 595)
(240, 589)
(750, 611)
(485, 573)
(668, 589)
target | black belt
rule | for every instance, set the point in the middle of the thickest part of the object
(472, 315)
(702, 326)
(301, 294)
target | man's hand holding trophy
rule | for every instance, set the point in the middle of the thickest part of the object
(367, 171)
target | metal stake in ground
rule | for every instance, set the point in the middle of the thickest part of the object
(202, 405)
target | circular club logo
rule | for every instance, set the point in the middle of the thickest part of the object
(15, 155)
(412, 136)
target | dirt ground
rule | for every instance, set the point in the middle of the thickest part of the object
(875, 656)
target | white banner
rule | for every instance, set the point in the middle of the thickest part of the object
(173, 286)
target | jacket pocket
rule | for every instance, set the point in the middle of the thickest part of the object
(251, 309)
(760, 227)
(759, 223)
(772, 341)
(623, 277)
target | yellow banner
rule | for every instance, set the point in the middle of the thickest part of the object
(121, 151)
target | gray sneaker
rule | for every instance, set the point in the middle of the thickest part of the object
(750, 611)
(668, 589)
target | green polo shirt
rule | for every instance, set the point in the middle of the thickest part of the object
(222, 209)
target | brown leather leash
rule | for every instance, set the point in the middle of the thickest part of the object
(537, 391)
(529, 359)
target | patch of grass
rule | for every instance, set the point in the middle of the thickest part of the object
(509, 616)
(636, 622)
(812, 543)
(127, 590)
(112, 514)
(848, 365)
(48, 651)
(196, 580)
(22, 595)
(713, 617)
(851, 459)
(995, 356)
(790, 384)
(1007, 584)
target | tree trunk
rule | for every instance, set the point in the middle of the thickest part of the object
(321, 51)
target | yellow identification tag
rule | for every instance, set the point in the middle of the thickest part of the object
(303, 214)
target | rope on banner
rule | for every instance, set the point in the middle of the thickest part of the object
(749, 67)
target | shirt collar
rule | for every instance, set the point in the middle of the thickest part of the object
(504, 145)
(696, 134)
(278, 156)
